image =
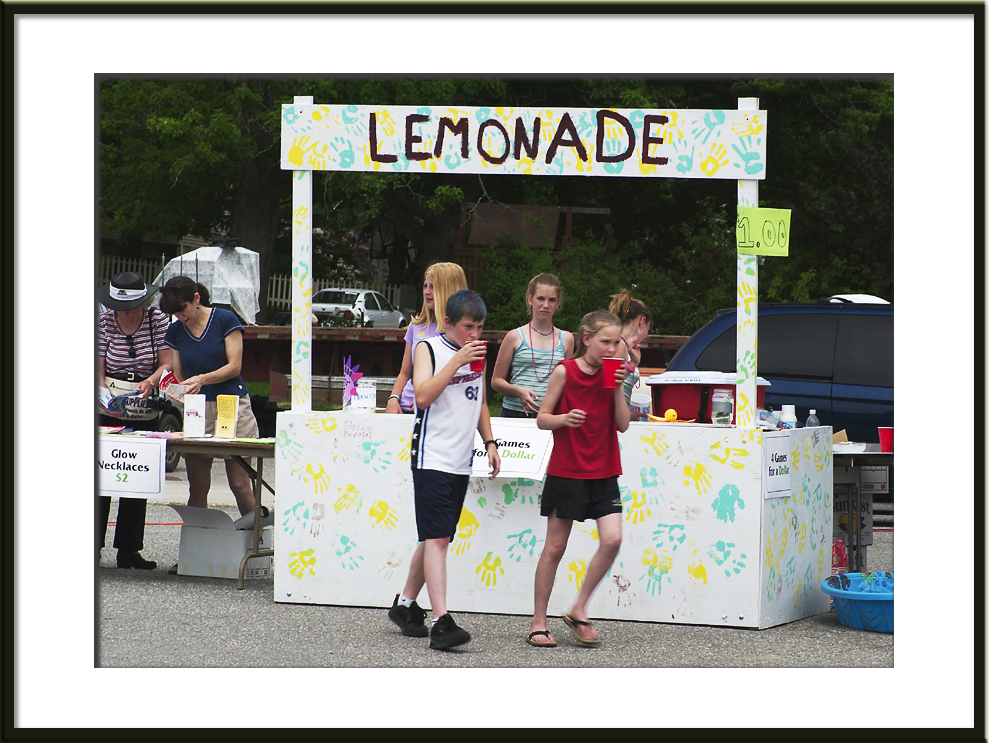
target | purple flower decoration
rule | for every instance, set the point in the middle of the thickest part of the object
(350, 377)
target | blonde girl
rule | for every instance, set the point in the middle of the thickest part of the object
(531, 351)
(636, 320)
(440, 281)
(582, 477)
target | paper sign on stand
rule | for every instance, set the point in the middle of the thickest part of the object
(777, 464)
(226, 416)
(131, 467)
(523, 448)
(194, 425)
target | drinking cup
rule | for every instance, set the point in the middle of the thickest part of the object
(478, 365)
(886, 439)
(610, 367)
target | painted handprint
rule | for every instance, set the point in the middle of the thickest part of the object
(488, 570)
(514, 490)
(405, 449)
(289, 115)
(294, 518)
(300, 219)
(344, 150)
(747, 298)
(321, 425)
(319, 157)
(724, 504)
(298, 150)
(638, 508)
(669, 535)
(649, 477)
(383, 516)
(749, 159)
(697, 474)
(708, 125)
(578, 571)
(657, 566)
(348, 498)
(343, 546)
(302, 560)
(287, 447)
(390, 566)
(614, 147)
(525, 540)
(716, 159)
(370, 454)
(686, 162)
(300, 351)
(721, 553)
(656, 442)
(750, 125)
(466, 528)
(315, 472)
(728, 455)
(318, 513)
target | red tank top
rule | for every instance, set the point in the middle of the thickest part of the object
(591, 451)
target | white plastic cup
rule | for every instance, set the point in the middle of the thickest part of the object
(640, 406)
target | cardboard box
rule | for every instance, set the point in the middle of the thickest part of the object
(211, 547)
(691, 393)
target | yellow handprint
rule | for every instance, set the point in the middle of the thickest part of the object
(747, 296)
(349, 497)
(300, 217)
(638, 511)
(384, 516)
(488, 570)
(466, 528)
(298, 150)
(657, 442)
(697, 473)
(321, 425)
(303, 560)
(386, 124)
(717, 449)
(748, 126)
(714, 161)
(319, 160)
(578, 571)
(300, 390)
(321, 480)
(405, 451)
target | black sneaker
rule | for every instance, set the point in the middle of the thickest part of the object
(410, 619)
(134, 560)
(446, 634)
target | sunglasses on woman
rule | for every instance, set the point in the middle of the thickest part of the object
(130, 346)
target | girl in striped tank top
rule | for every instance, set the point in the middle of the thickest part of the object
(529, 353)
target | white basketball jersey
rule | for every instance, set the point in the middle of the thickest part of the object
(443, 435)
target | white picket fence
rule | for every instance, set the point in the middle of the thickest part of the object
(279, 286)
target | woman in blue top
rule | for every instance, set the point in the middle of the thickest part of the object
(530, 353)
(207, 344)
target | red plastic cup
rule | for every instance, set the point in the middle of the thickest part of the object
(478, 365)
(610, 367)
(886, 439)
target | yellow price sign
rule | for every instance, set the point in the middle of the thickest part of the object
(762, 231)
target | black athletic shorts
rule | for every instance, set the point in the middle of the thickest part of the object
(578, 500)
(439, 498)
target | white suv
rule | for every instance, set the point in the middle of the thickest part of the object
(368, 307)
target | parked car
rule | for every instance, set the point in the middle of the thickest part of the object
(835, 356)
(367, 306)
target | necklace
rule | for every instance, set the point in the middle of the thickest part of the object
(539, 331)
(532, 352)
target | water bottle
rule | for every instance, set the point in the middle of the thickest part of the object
(789, 418)
(812, 420)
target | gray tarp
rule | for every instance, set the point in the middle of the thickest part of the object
(231, 275)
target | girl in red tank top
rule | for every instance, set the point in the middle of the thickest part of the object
(581, 482)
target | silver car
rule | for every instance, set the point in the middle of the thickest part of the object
(365, 305)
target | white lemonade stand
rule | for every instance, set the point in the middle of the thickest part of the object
(722, 524)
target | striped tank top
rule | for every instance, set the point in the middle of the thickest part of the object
(523, 374)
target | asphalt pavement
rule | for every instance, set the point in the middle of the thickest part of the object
(150, 619)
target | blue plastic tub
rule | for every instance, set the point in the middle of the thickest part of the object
(864, 600)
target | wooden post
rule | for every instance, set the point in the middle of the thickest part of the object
(746, 310)
(302, 285)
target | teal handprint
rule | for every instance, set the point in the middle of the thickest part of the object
(301, 351)
(649, 476)
(524, 540)
(344, 150)
(287, 446)
(671, 535)
(657, 566)
(289, 115)
(614, 147)
(301, 271)
(749, 158)
(293, 519)
(686, 163)
(380, 461)
(721, 552)
(346, 545)
(401, 164)
(482, 114)
(453, 160)
(708, 125)
(724, 504)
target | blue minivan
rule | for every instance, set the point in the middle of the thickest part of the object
(832, 356)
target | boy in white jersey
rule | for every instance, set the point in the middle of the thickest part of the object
(450, 403)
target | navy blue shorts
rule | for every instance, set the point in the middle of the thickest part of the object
(439, 498)
(577, 500)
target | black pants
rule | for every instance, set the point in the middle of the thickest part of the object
(131, 512)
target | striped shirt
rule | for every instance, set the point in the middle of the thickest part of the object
(524, 369)
(149, 342)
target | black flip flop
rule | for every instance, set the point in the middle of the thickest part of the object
(540, 644)
(573, 624)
